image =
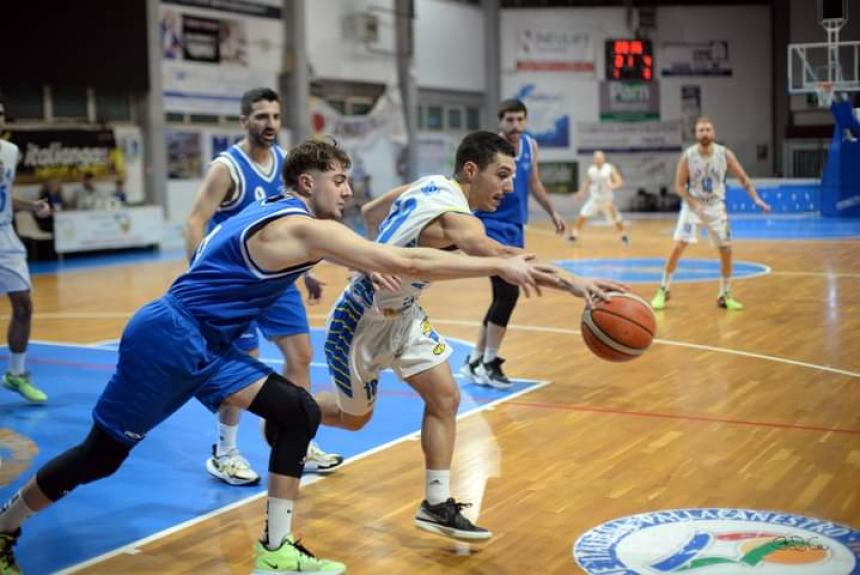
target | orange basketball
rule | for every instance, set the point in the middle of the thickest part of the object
(619, 329)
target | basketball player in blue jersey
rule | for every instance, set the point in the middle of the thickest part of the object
(249, 172)
(505, 225)
(181, 346)
(372, 329)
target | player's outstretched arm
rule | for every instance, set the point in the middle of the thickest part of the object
(735, 169)
(337, 243)
(215, 188)
(377, 209)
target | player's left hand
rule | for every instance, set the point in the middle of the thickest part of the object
(41, 208)
(558, 222)
(385, 282)
(315, 288)
(592, 290)
(765, 207)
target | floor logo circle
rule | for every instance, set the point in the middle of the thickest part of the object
(650, 270)
(719, 541)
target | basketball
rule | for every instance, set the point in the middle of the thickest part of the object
(620, 328)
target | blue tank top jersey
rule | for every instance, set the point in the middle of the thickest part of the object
(515, 206)
(224, 290)
(251, 184)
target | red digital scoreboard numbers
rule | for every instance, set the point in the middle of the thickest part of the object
(629, 60)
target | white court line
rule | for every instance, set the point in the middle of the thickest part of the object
(675, 343)
(826, 274)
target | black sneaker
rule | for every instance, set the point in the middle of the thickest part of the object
(8, 566)
(625, 241)
(469, 369)
(491, 374)
(445, 519)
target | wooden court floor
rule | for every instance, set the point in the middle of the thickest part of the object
(756, 409)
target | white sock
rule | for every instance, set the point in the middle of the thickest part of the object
(666, 282)
(725, 283)
(226, 438)
(279, 521)
(475, 355)
(490, 354)
(14, 514)
(17, 363)
(437, 485)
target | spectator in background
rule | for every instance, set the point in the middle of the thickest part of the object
(86, 197)
(119, 194)
(52, 193)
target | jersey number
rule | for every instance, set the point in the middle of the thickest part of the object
(2, 197)
(395, 219)
(708, 185)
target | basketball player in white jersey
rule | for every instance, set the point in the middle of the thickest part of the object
(373, 329)
(246, 173)
(601, 181)
(700, 181)
(14, 275)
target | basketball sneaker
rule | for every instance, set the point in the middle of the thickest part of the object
(491, 375)
(291, 558)
(660, 299)
(23, 384)
(625, 241)
(571, 239)
(8, 566)
(469, 369)
(445, 519)
(726, 301)
(231, 468)
(320, 461)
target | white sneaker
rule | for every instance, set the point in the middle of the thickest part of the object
(231, 468)
(320, 461)
(491, 375)
(469, 370)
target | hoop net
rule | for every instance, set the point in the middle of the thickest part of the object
(826, 93)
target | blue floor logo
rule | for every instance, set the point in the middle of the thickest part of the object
(650, 270)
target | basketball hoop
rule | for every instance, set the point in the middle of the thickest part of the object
(826, 93)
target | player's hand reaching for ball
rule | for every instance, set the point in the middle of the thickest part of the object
(520, 271)
(592, 290)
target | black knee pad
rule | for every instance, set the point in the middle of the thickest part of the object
(505, 298)
(292, 418)
(99, 456)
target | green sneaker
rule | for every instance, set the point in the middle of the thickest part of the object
(291, 559)
(660, 299)
(23, 384)
(7, 559)
(726, 301)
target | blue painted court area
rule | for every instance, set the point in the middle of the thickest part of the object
(793, 227)
(164, 482)
(122, 258)
(650, 270)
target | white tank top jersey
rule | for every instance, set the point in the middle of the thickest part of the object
(707, 173)
(414, 209)
(8, 164)
(601, 180)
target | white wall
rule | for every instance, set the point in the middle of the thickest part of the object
(449, 46)
(740, 105)
(332, 56)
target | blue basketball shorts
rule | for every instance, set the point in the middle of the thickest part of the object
(507, 233)
(286, 317)
(163, 362)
